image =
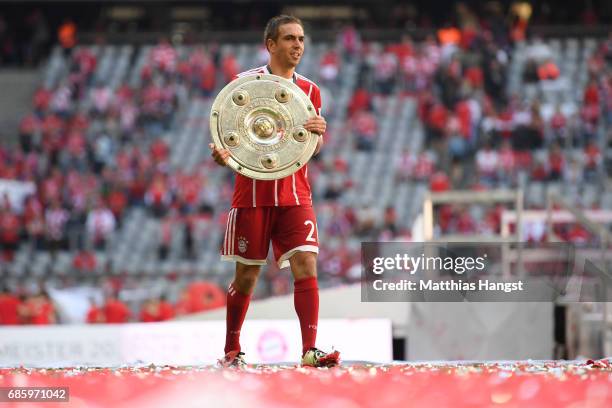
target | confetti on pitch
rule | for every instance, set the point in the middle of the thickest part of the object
(423, 384)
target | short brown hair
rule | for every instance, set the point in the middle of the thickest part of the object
(271, 31)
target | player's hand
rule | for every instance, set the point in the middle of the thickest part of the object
(316, 125)
(221, 156)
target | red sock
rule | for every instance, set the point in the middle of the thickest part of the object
(237, 306)
(306, 301)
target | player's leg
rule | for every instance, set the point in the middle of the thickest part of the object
(246, 243)
(306, 295)
(238, 300)
(295, 239)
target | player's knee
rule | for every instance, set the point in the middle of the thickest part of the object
(304, 265)
(246, 277)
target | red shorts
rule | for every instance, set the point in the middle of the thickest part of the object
(249, 231)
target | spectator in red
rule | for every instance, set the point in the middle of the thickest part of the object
(556, 163)
(465, 224)
(229, 66)
(365, 127)
(558, 124)
(592, 160)
(360, 101)
(539, 172)
(9, 307)
(507, 162)
(117, 201)
(385, 70)
(95, 314)
(10, 230)
(100, 224)
(34, 222)
(102, 97)
(86, 62)
(39, 310)
(208, 77)
(159, 151)
(190, 188)
(424, 166)
(115, 311)
(578, 235)
(591, 93)
(156, 310)
(590, 119)
(436, 122)
(158, 195)
(42, 99)
(439, 182)
(463, 112)
(404, 49)
(474, 77)
(329, 68)
(79, 122)
(84, 261)
(137, 187)
(164, 56)
(76, 146)
(487, 164)
(152, 102)
(350, 41)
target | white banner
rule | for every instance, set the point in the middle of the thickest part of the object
(16, 191)
(187, 343)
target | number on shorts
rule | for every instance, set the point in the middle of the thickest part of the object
(310, 238)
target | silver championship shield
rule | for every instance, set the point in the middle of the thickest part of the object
(259, 119)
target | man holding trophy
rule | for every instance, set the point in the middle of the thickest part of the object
(266, 125)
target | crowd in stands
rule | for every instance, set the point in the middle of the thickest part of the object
(480, 137)
(91, 152)
(39, 309)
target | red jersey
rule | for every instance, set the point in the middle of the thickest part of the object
(115, 311)
(157, 313)
(40, 311)
(289, 191)
(9, 306)
(95, 315)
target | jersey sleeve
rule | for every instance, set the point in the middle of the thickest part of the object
(316, 99)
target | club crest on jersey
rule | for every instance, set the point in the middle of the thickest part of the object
(242, 244)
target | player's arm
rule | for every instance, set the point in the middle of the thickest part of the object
(317, 124)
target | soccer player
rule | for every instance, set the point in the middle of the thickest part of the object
(276, 210)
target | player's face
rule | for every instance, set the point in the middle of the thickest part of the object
(289, 46)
